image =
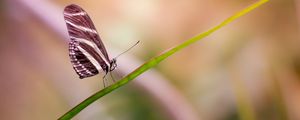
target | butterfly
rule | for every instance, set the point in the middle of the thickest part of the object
(86, 50)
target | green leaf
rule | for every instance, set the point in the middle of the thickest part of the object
(154, 61)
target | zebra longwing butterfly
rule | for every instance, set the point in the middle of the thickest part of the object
(86, 50)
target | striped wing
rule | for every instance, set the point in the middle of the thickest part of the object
(87, 52)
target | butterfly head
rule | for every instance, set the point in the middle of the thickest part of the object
(113, 64)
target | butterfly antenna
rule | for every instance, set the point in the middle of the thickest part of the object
(127, 49)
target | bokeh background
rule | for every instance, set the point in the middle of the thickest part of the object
(248, 70)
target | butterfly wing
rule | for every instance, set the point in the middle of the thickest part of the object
(81, 64)
(86, 50)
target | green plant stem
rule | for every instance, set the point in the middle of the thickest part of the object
(154, 61)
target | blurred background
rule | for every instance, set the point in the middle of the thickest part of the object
(248, 70)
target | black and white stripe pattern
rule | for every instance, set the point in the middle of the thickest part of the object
(87, 52)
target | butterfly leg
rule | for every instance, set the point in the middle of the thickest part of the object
(104, 80)
(112, 77)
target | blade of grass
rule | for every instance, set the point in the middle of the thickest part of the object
(154, 61)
